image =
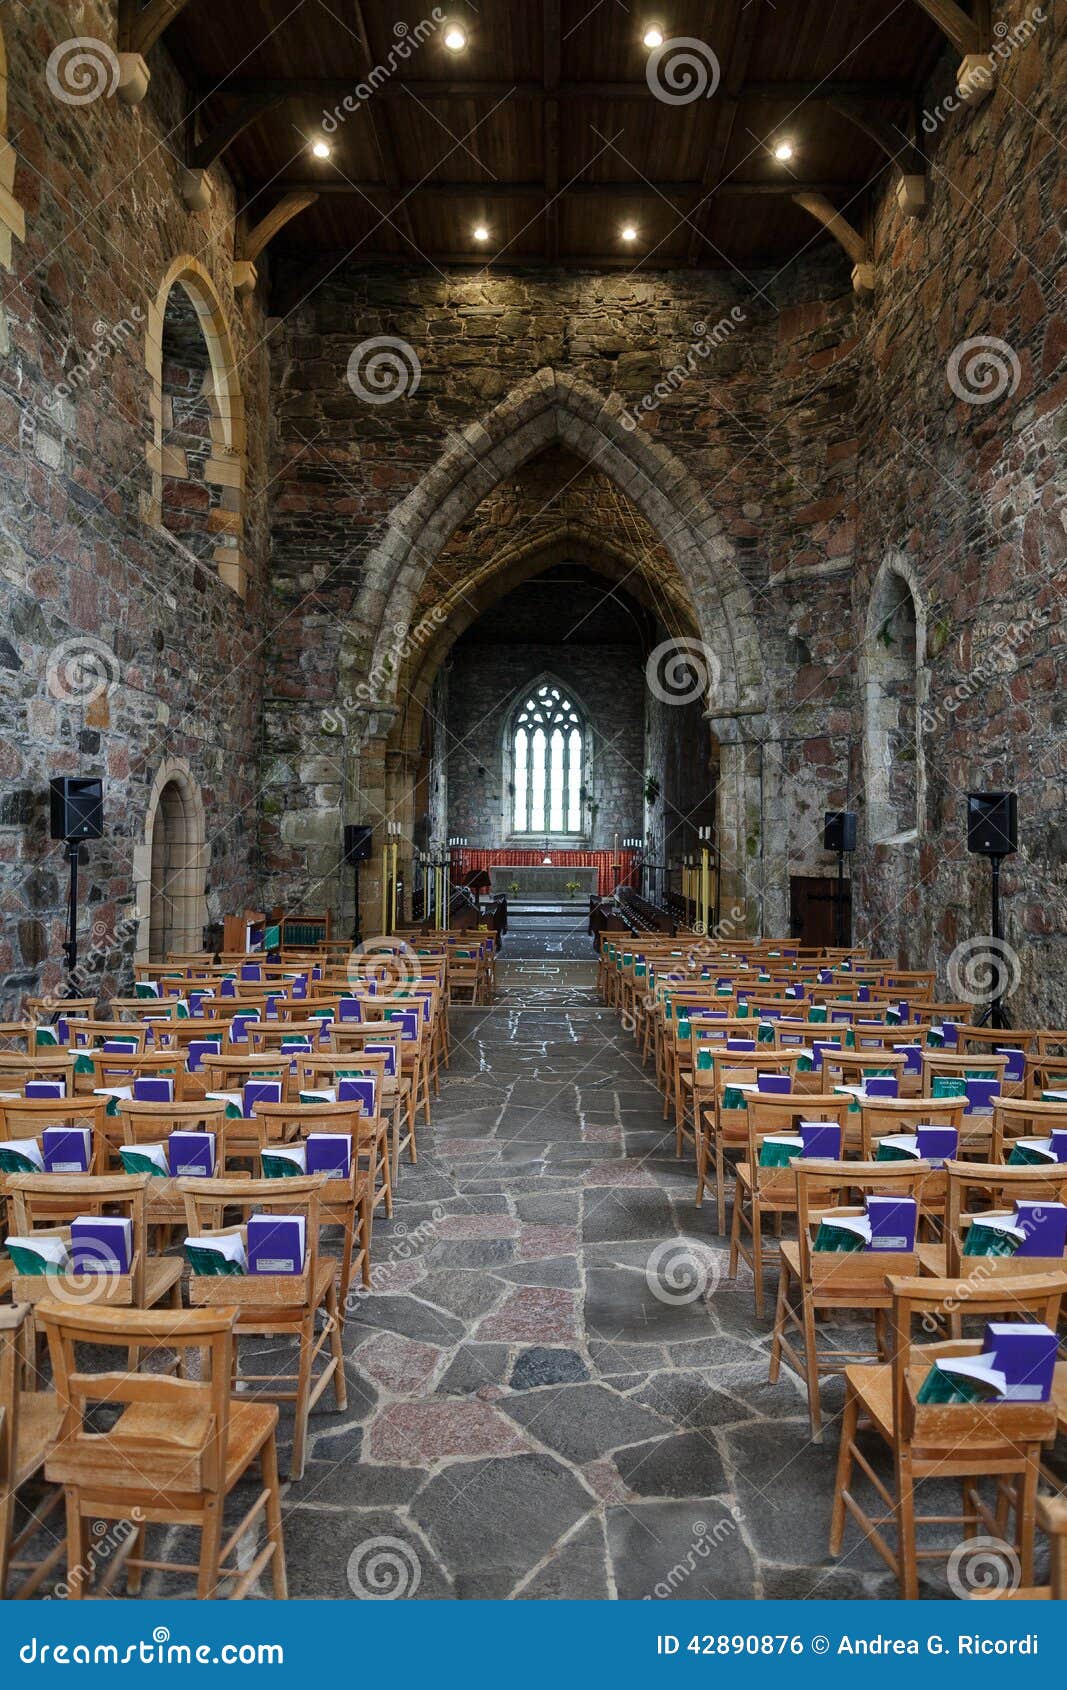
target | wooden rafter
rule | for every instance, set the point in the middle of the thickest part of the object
(140, 29)
(265, 230)
(210, 148)
(903, 154)
(963, 31)
(580, 189)
(746, 19)
(845, 235)
(381, 131)
(551, 127)
(396, 88)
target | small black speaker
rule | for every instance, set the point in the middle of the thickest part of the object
(357, 843)
(992, 824)
(839, 830)
(77, 808)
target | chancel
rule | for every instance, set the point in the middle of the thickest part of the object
(533, 1040)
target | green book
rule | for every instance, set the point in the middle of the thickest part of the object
(947, 1085)
(962, 1379)
(21, 1156)
(843, 1233)
(215, 1257)
(45, 1036)
(817, 1012)
(732, 1098)
(36, 1256)
(146, 1159)
(779, 1150)
(289, 1163)
(993, 1235)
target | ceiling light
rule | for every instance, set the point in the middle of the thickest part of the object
(481, 233)
(629, 233)
(455, 38)
(653, 36)
(783, 152)
(321, 149)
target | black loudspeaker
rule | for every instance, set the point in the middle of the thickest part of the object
(357, 843)
(992, 824)
(839, 830)
(77, 808)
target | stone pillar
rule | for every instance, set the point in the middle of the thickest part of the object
(366, 801)
(748, 825)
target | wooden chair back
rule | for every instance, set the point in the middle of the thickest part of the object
(206, 1203)
(29, 1116)
(49, 1202)
(975, 1188)
(171, 1436)
(85, 1034)
(16, 1069)
(820, 1186)
(882, 1116)
(771, 1114)
(1016, 1117)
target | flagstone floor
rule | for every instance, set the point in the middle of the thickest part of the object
(543, 1400)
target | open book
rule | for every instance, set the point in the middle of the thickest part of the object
(963, 1379)
(217, 1253)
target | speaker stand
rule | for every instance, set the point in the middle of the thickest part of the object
(71, 945)
(841, 940)
(357, 933)
(996, 1008)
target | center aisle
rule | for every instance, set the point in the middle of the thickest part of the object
(550, 1392)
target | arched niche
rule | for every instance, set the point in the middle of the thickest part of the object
(170, 866)
(196, 449)
(894, 678)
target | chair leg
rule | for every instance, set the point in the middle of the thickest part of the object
(77, 1547)
(366, 1213)
(720, 1185)
(134, 1575)
(780, 1307)
(735, 1234)
(272, 1486)
(757, 1256)
(210, 1545)
(1026, 1515)
(843, 1477)
(303, 1393)
(7, 1510)
(340, 1383)
(811, 1364)
(907, 1562)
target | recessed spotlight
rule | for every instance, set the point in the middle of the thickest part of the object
(455, 38)
(481, 233)
(783, 152)
(629, 233)
(653, 36)
(321, 149)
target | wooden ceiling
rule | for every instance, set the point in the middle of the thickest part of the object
(544, 128)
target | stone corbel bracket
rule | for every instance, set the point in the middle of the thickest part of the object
(970, 37)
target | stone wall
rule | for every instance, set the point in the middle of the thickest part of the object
(117, 648)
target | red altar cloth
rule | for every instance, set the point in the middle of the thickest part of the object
(465, 861)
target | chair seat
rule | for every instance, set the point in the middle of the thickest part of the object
(932, 1259)
(161, 1274)
(874, 1387)
(123, 1458)
(39, 1420)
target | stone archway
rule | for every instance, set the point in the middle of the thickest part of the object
(225, 469)
(548, 409)
(170, 866)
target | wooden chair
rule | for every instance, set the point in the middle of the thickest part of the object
(29, 1116)
(172, 1457)
(49, 1202)
(345, 1203)
(153, 1123)
(276, 1305)
(975, 1188)
(760, 1192)
(228, 1072)
(352, 1039)
(29, 1427)
(814, 1283)
(721, 1127)
(1016, 1118)
(378, 1128)
(966, 1441)
(17, 1070)
(17, 1037)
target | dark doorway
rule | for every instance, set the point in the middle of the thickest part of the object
(813, 910)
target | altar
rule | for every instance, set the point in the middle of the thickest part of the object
(595, 871)
(544, 883)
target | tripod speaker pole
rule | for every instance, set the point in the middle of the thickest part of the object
(71, 946)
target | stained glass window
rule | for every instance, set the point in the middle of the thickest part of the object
(548, 748)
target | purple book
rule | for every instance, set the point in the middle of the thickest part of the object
(864, 994)
(780, 1084)
(260, 1091)
(191, 1155)
(1059, 1143)
(316, 972)
(825, 977)
(1025, 1352)
(1044, 1225)
(1016, 1063)
(822, 1139)
(740, 1044)
(329, 1153)
(893, 1221)
(389, 1052)
(63, 1031)
(300, 988)
(820, 1046)
(153, 1089)
(198, 1050)
(101, 1244)
(349, 1009)
(276, 1243)
(881, 1085)
(408, 1019)
(361, 1091)
(251, 971)
(980, 1095)
(937, 1145)
(119, 1047)
(239, 1028)
(66, 1150)
(951, 1030)
(46, 1088)
(913, 1058)
(227, 989)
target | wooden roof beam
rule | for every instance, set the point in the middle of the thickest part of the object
(746, 19)
(903, 155)
(331, 87)
(583, 190)
(380, 129)
(140, 29)
(210, 148)
(972, 38)
(845, 235)
(551, 127)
